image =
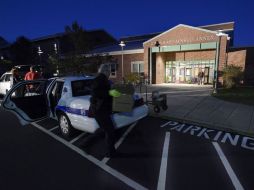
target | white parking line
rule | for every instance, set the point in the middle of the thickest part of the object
(92, 159)
(228, 168)
(164, 160)
(165, 124)
(53, 128)
(119, 142)
(77, 138)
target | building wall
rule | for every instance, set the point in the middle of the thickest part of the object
(243, 57)
(237, 58)
(161, 58)
(127, 59)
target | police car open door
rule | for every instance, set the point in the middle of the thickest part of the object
(28, 101)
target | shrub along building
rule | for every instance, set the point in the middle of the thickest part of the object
(179, 54)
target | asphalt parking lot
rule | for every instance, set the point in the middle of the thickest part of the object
(153, 154)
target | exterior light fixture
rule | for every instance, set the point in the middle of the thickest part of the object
(219, 34)
(55, 47)
(40, 52)
(157, 44)
(122, 44)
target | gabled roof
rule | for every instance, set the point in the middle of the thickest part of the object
(130, 45)
(131, 42)
(183, 25)
(57, 35)
(227, 26)
(139, 37)
(96, 34)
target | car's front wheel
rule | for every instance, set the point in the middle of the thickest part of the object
(65, 125)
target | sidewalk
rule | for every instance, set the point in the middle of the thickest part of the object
(202, 109)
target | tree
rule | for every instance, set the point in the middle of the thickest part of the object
(3, 42)
(78, 37)
(73, 61)
(22, 52)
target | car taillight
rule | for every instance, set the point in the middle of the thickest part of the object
(90, 113)
(139, 102)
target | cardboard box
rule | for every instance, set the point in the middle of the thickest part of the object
(124, 103)
(124, 88)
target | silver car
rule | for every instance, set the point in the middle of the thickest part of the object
(5, 83)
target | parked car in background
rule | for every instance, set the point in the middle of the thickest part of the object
(66, 99)
(5, 83)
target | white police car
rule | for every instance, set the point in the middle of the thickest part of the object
(66, 99)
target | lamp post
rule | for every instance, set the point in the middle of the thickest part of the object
(55, 47)
(122, 44)
(57, 57)
(219, 34)
(39, 52)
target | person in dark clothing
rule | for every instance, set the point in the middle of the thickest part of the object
(14, 79)
(101, 106)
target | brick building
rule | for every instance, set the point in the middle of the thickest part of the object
(179, 54)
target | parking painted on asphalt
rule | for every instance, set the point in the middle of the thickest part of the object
(211, 134)
(151, 159)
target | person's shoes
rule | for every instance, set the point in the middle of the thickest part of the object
(85, 144)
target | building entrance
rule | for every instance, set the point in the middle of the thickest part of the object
(188, 71)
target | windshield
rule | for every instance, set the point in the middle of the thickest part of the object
(81, 87)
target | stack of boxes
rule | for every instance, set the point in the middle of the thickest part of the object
(125, 102)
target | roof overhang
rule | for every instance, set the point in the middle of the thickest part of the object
(135, 51)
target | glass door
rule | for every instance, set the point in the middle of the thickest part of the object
(170, 73)
(206, 75)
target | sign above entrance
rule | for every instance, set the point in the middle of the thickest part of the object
(185, 47)
(187, 40)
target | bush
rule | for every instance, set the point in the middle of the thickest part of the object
(132, 78)
(232, 76)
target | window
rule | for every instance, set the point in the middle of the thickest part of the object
(81, 87)
(137, 67)
(112, 69)
(7, 77)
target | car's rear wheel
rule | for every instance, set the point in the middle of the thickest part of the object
(164, 107)
(65, 125)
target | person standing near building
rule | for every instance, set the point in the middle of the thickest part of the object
(31, 75)
(14, 78)
(101, 106)
(201, 77)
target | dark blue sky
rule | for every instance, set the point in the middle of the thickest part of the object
(120, 18)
